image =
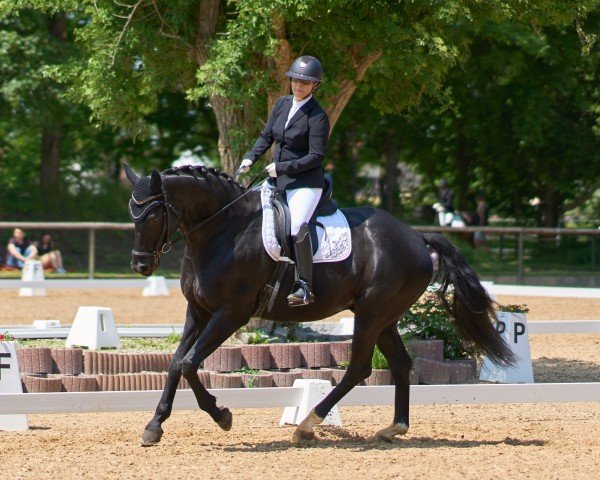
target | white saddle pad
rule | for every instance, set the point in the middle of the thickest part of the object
(335, 243)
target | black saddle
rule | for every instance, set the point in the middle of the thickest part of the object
(326, 206)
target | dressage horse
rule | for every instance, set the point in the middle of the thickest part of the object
(225, 267)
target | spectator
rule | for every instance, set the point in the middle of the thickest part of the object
(19, 250)
(49, 255)
(480, 218)
(444, 206)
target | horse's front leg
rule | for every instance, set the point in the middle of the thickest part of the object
(194, 324)
(363, 344)
(221, 326)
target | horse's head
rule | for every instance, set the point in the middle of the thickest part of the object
(154, 221)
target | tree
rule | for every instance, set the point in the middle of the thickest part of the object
(235, 53)
(523, 123)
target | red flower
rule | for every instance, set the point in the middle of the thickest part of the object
(1, 337)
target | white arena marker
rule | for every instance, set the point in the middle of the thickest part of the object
(313, 392)
(347, 325)
(32, 272)
(43, 324)
(157, 286)
(10, 382)
(513, 328)
(94, 327)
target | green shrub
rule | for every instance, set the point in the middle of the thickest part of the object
(379, 361)
(428, 319)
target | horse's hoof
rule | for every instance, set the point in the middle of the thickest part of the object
(300, 436)
(226, 419)
(382, 437)
(389, 434)
(151, 437)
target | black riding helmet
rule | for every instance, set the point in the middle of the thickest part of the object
(306, 68)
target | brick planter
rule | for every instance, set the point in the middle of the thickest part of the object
(460, 372)
(286, 379)
(67, 361)
(257, 380)
(318, 374)
(430, 349)
(225, 380)
(337, 375)
(379, 377)
(34, 360)
(285, 355)
(315, 355)
(79, 383)
(41, 383)
(90, 359)
(256, 357)
(340, 352)
(432, 372)
(224, 359)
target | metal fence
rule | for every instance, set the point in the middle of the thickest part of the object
(519, 233)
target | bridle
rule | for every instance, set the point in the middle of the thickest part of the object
(160, 199)
(164, 244)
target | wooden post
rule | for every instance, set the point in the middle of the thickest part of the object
(91, 252)
(593, 260)
(520, 257)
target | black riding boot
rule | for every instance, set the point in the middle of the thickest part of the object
(302, 293)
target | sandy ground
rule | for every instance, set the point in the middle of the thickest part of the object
(129, 307)
(452, 442)
(458, 441)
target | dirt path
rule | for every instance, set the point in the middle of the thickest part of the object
(129, 307)
(451, 442)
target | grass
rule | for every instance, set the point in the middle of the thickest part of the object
(166, 344)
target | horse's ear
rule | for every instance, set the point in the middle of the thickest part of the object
(131, 175)
(155, 182)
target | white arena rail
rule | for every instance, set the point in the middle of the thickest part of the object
(87, 402)
(161, 331)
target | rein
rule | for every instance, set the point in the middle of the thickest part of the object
(167, 244)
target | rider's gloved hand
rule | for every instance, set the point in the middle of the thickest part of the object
(271, 169)
(245, 165)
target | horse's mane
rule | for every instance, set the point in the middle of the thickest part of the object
(200, 171)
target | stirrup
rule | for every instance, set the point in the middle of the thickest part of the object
(303, 295)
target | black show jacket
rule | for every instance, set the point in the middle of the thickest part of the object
(300, 148)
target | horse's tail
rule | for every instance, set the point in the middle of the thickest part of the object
(471, 306)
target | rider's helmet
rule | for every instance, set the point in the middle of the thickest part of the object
(306, 68)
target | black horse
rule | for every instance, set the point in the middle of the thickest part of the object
(225, 267)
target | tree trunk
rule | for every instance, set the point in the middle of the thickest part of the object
(391, 173)
(346, 88)
(551, 207)
(52, 129)
(233, 120)
(50, 156)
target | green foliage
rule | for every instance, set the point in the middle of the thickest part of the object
(512, 308)
(379, 361)
(257, 337)
(428, 319)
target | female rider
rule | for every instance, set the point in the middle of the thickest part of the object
(300, 129)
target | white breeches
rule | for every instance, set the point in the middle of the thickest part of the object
(302, 203)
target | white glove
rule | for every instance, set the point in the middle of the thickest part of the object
(245, 165)
(271, 169)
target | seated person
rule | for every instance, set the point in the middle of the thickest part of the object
(19, 250)
(49, 255)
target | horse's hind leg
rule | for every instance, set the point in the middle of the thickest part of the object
(191, 331)
(390, 344)
(363, 343)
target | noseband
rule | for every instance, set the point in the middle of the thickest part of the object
(163, 244)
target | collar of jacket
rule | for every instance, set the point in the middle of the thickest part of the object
(303, 110)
